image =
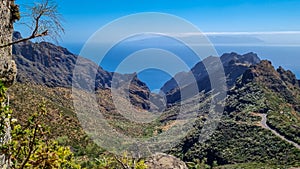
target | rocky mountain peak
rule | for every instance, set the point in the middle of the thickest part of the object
(261, 70)
(288, 76)
(234, 66)
(248, 58)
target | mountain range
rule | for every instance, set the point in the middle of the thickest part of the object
(234, 66)
(254, 89)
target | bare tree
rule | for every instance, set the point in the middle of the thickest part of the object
(45, 20)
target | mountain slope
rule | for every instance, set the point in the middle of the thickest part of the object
(240, 137)
(234, 66)
(282, 97)
(47, 64)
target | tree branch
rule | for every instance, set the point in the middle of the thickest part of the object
(45, 33)
(31, 146)
(119, 161)
(44, 18)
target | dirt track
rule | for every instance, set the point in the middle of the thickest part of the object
(264, 124)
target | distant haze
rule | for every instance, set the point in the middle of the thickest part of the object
(280, 54)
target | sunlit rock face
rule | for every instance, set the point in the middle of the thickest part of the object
(7, 66)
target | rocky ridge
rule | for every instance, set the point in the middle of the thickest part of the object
(234, 66)
(47, 64)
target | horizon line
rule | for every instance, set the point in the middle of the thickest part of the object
(250, 33)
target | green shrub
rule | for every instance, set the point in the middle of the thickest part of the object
(30, 146)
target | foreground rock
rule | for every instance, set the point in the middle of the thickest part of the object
(164, 161)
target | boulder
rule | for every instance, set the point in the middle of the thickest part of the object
(164, 161)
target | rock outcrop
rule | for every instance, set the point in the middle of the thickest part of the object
(164, 161)
(8, 69)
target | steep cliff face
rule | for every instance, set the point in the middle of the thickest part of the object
(8, 69)
(234, 66)
(47, 64)
(7, 66)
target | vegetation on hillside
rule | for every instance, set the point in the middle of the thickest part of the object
(63, 126)
(238, 138)
(30, 145)
(283, 117)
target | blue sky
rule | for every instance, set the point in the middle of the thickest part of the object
(83, 18)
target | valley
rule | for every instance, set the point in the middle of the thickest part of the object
(45, 75)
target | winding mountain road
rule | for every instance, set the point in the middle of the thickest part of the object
(264, 124)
